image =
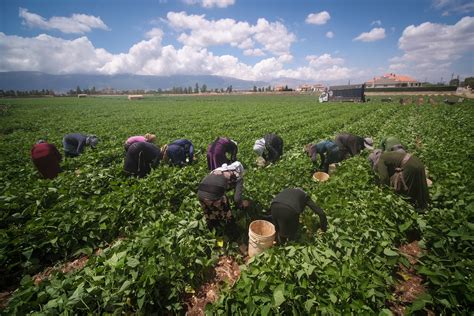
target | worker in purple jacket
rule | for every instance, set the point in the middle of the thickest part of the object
(178, 153)
(74, 143)
(218, 150)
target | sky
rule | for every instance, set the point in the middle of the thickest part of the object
(317, 41)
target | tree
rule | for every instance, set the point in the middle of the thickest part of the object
(254, 88)
(469, 81)
(196, 88)
(78, 90)
(204, 88)
(454, 82)
(269, 88)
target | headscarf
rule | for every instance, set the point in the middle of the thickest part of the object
(235, 166)
(92, 140)
(259, 146)
(150, 138)
(164, 152)
(369, 143)
(40, 141)
(374, 158)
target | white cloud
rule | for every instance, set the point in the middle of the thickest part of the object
(330, 34)
(431, 46)
(76, 24)
(318, 18)
(200, 32)
(454, 6)
(375, 34)
(54, 55)
(376, 22)
(211, 3)
(50, 54)
(254, 52)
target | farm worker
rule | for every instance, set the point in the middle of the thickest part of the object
(404, 172)
(270, 147)
(352, 144)
(212, 195)
(326, 147)
(150, 138)
(74, 143)
(286, 208)
(140, 158)
(46, 159)
(392, 143)
(179, 152)
(216, 152)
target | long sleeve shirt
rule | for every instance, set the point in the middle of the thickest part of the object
(141, 157)
(214, 186)
(297, 200)
(274, 147)
(350, 144)
(387, 164)
(74, 143)
(216, 152)
(179, 150)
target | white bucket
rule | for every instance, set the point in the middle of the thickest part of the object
(261, 236)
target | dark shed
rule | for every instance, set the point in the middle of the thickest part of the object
(347, 93)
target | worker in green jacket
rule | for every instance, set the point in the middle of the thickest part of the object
(392, 143)
(403, 172)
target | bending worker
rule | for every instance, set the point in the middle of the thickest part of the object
(178, 153)
(404, 172)
(286, 208)
(270, 147)
(218, 150)
(334, 155)
(392, 143)
(46, 159)
(352, 144)
(140, 158)
(149, 138)
(74, 143)
(212, 195)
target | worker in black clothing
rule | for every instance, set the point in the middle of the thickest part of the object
(352, 145)
(286, 208)
(270, 147)
(212, 195)
(141, 157)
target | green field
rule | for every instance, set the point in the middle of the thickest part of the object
(161, 248)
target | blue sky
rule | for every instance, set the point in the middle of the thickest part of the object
(319, 41)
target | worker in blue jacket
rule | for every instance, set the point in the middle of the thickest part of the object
(327, 150)
(74, 143)
(178, 153)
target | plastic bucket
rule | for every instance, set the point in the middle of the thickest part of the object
(320, 176)
(261, 236)
(332, 168)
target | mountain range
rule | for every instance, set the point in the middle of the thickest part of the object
(33, 80)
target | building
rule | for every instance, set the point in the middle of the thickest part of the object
(311, 88)
(392, 81)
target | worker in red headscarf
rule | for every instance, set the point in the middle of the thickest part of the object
(46, 159)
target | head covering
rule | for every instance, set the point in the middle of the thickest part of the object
(374, 157)
(369, 143)
(259, 146)
(40, 141)
(92, 140)
(235, 166)
(234, 142)
(150, 138)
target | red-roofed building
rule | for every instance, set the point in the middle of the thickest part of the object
(392, 81)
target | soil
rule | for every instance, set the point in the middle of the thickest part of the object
(226, 271)
(410, 286)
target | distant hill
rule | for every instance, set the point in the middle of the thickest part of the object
(33, 80)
